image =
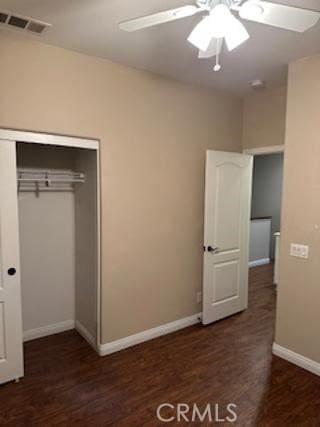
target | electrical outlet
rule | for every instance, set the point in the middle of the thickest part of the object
(299, 251)
(199, 297)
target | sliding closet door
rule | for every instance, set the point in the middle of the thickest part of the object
(11, 356)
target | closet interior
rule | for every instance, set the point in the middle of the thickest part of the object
(57, 205)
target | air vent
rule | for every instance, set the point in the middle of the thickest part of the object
(15, 21)
(12, 21)
(36, 27)
(3, 17)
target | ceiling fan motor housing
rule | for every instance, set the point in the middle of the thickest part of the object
(210, 4)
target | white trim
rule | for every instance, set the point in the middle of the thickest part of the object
(99, 251)
(262, 261)
(83, 331)
(147, 335)
(264, 150)
(75, 142)
(45, 331)
(296, 359)
(47, 139)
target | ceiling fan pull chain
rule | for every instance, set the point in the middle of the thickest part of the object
(217, 67)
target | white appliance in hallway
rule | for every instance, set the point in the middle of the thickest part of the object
(226, 234)
(276, 258)
(260, 241)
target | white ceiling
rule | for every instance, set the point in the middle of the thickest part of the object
(90, 26)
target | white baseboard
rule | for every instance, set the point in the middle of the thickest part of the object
(86, 334)
(147, 335)
(296, 359)
(257, 262)
(44, 331)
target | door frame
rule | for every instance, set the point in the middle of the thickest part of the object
(75, 142)
(260, 151)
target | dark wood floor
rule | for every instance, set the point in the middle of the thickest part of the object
(67, 384)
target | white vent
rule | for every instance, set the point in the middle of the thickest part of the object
(18, 22)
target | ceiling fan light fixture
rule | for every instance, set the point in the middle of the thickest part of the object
(200, 36)
(213, 26)
(220, 17)
(218, 25)
(237, 34)
(214, 49)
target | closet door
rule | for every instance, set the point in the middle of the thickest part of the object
(11, 356)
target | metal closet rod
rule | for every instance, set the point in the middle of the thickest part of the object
(48, 180)
(49, 175)
(79, 180)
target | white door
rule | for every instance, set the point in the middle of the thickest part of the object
(226, 234)
(11, 356)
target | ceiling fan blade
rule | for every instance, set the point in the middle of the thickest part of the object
(159, 18)
(213, 49)
(278, 15)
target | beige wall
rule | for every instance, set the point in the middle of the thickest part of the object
(154, 134)
(298, 311)
(264, 115)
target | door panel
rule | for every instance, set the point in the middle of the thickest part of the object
(225, 280)
(11, 356)
(226, 234)
(227, 206)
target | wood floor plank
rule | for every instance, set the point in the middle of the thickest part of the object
(67, 384)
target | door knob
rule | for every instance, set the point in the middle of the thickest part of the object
(213, 250)
(12, 271)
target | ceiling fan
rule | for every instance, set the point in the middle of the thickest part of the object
(220, 24)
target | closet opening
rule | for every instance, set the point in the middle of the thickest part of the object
(58, 232)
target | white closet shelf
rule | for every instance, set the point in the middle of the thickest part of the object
(30, 179)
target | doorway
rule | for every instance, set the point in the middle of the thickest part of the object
(232, 234)
(51, 259)
(265, 224)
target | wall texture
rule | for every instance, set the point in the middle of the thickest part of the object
(264, 115)
(298, 309)
(154, 133)
(267, 190)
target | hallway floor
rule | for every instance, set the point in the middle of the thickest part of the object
(67, 384)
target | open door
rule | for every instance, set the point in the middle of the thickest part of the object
(11, 356)
(226, 234)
